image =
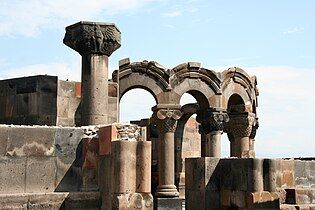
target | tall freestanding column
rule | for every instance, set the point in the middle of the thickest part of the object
(239, 128)
(212, 121)
(165, 117)
(95, 42)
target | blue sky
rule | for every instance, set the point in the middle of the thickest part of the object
(273, 40)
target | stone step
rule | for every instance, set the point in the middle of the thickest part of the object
(300, 196)
(53, 200)
(297, 207)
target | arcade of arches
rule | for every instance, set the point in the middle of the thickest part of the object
(226, 102)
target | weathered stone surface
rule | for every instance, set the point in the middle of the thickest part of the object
(12, 175)
(4, 135)
(92, 38)
(67, 141)
(83, 201)
(167, 204)
(31, 141)
(40, 174)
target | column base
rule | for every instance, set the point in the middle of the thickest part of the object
(167, 191)
(168, 204)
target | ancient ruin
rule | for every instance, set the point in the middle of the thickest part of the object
(62, 146)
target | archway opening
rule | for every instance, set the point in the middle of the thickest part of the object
(136, 104)
(235, 100)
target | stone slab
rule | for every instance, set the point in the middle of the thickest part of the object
(12, 175)
(168, 204)
(31, 141)
(40, 174)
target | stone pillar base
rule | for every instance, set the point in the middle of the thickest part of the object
(168, 204)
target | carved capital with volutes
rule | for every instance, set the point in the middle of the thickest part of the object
(166, 119)
(93, 38)
(212, 120)
(240, 124)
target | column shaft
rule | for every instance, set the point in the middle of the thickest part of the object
(166, 186)
(94, 89)
(213, 145)
(241, 147)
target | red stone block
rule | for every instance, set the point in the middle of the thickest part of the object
(90, 153)
(106, 135)
(78, 89)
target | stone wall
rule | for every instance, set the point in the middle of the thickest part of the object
(40, 159)
(45, 100)
(29, 100)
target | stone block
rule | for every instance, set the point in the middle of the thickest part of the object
(51, 201)
(83, 201)
(67, 142)
(66, 89)
(262, 200)
(12, 175)
(31, 141)
(304, 173)
(204, 173)
(77, 87)
(287, 179)
(4, 135)
(40, 174)
(238, 199)
(69, 174)
(226, 178)
(47, 104)
(62, 107)
(168, 204)
(300, 196)
(113, 90)
(14, 202)
(225, 197)
(106, 135)
(287, 165)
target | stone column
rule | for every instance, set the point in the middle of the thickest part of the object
(212, 126)
(239, 128)
(95, 42)
(165, 117)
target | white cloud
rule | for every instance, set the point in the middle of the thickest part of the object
(296, 29)
(62, 70)
(172, 14)
(30, 17)
(285, 110)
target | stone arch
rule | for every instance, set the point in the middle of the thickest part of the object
(149, 76)
(237, 81)
(201, 83)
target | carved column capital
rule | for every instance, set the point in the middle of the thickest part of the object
(254, 129)
(212, 119)
(93, 38)
(166, 118)
(240, 124)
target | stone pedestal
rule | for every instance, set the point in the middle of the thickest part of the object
(95, 42)
(165, 117)
(168, 204)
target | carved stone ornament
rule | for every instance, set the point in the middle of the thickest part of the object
(240, 124)
(166, 119)
(254, 129)
(212, 120)
(93, 38)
